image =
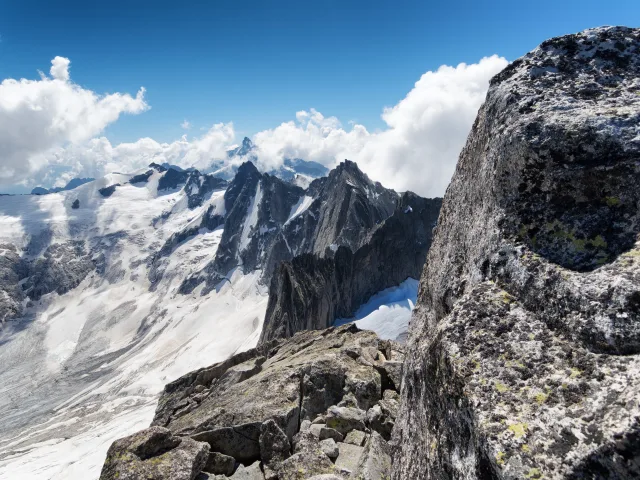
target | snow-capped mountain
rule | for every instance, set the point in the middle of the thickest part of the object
(112, 289)
(295, 170)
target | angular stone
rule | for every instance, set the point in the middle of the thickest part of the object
(154, 453)
(349, 457)
(240, 442)
(355, 437)
(322, 432)
(394, 372)
(345, 419)
(252, 472)
(219, 463)
(274, 444)
(329, 448)
(375, 462)
(305, 464)
(379, 422)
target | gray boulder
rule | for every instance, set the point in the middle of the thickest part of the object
(218, 463)
(348, 458)
(375, 461)
(329, 448)
(274, 444)
(345, 419)
(154, 453)
(524, 348)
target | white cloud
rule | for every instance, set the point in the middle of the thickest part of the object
(60, 68)
(417, 150)
(186, 125)
(39, 115)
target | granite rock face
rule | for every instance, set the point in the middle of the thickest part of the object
(524, 349)
(257, 408)
(310, 292)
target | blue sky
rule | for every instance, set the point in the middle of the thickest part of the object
(258, 62)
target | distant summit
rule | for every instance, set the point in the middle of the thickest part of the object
(73, 183)
(243, 150)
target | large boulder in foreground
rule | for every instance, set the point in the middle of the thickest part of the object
(524, 350)
(271, 408)
(154, 453)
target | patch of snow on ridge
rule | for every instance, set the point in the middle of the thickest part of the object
(82, 369)
(252, 218)
(299, 208)
(387, 312)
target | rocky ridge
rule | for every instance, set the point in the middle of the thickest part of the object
(523, 355)
(310, 292)
(321, 404)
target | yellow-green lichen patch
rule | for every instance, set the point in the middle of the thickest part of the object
(501, 387)
(575, 373)
(518, 429)
(534, 473)
(612, 201)
(500, 458)
(540, 398)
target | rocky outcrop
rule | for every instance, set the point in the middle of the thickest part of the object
(60, 268)
(12, 269)
(108, 191)
(524, 350)
(310, 292)
(288, 409)
(155, 453)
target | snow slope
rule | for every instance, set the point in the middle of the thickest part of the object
(82, 369)
(388, 312)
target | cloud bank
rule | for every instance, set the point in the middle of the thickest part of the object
(49, 132)
(39, 115)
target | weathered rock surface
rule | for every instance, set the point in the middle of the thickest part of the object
(310, 292)
(524, 350)
(154, 453)
(252, 406)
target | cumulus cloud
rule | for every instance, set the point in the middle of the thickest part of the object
(39, 115)
(417, 150)
(186, 125)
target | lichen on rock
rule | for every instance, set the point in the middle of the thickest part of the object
(523, 358)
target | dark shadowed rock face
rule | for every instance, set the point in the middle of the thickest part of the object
(310, 292)
(108, 191)
(524, 350)
(257, 408)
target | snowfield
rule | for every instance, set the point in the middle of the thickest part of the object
(84, 368)
(388, 312)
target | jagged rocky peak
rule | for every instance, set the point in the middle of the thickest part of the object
(269, 220)
(242, 150)
(320, 403)
(523, 358)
